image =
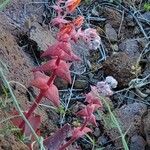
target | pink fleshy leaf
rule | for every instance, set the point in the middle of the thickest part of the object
(54, 142)
(40, 81)
(57, 48)
(34, 120)
(48, 66)
(92, 120)
(63, 71)
(53, 95)
(77, 133)
(61, 54)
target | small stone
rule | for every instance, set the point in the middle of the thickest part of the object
(80, 84)
(102, 140)
(110, 33)
(60, 83)
(137, 143)
(97, 132)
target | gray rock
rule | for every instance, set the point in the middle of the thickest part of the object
(97, 132)
(130, 47)
(145, 17)
(80, 84)
(146, 126)
(110, 33)
(137, 143)
(129, 118)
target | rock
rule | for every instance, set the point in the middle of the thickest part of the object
(97, 132)
(129, 118)
(119, 65)
(137, 143)
(146, 126)
(142, 42)
(10, 143)
(130, 47)
(42, 36)
(110, 33)
(80, 84)
(60, 83)
(102, 140)
(19, 10)
(145, 17)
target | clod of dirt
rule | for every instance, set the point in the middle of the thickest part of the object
(110, 33)
(113, 17)
(119, 65)
(129, 118)
(10, 143)
(137, 143)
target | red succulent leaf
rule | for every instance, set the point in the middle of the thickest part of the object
(61, 54)
(53, 95)
(78, 21)
(34, 120)
(54, 142)
(58, 46)
(71, 57)
(48, 66)
(71, 5)
(77, 133)
(40, 81)
(63, 71)
(65, 32)
(87, 114)
(92, 120)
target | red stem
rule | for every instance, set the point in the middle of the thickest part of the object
(84, 124)
(39, 97)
